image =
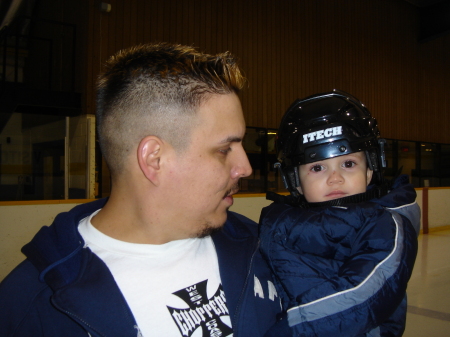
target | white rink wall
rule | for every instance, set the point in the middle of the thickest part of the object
(19, 223)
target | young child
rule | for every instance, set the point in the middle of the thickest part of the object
(342, 246)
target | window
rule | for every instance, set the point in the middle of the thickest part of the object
(45, 157)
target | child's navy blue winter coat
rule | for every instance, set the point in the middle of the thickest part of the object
(343, 271)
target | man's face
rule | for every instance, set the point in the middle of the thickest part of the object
(334, 178)
(203, 178)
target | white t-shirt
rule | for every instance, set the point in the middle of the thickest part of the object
(172, 289)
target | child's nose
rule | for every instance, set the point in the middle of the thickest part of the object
(335, 178)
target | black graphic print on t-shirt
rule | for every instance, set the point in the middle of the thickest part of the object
(203, 312)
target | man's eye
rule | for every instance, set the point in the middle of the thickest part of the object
(225, 151)
(349, 164)
(317, 168)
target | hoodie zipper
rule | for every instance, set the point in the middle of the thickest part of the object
(238, 307)
(77, 319)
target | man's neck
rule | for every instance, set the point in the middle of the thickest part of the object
(128, 219)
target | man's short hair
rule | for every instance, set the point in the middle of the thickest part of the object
(156, 89)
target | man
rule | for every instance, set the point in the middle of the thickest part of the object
(162, 256)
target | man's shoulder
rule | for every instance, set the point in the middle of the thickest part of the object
(18, 291)
(26, 307)
(21, 282)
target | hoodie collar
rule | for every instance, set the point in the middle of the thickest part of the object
(55, 250)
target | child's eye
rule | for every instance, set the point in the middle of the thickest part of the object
(349, 164)
(317, 168)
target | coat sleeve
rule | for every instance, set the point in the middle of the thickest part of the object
(342, 279)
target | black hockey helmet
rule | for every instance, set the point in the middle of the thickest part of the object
(324, 126)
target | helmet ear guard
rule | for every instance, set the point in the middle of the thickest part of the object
(376, 160)
(290, 178)
(372, 160)
(382, 145)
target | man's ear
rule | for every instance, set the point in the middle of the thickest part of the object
(149, 155)
(369, 176)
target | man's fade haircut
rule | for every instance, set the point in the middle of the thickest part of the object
(156, 89)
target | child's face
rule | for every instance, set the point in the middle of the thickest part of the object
(334, 178)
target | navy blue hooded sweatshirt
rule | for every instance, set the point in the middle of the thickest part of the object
(63, 289)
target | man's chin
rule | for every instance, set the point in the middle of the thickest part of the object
(208, 231)
(210, 227)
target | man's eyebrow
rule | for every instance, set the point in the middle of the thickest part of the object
(231, 139)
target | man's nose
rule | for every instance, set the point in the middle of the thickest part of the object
(242, 168)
